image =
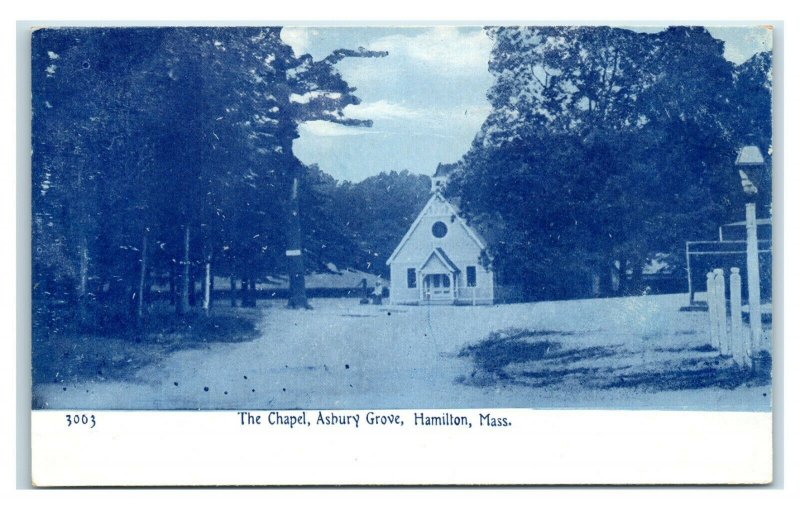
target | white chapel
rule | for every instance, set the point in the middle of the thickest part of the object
(438, 261)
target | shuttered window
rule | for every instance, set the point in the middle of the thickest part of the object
(411, 278)
(472, 277)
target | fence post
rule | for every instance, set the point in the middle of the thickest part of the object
(722, 312)
(711, 297)
(741, 353)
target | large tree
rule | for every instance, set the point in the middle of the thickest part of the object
(604, 147)
(307, 90)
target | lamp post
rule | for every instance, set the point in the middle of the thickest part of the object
(748, 162)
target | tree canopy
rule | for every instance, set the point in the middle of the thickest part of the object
(172, 146)
(606, 147)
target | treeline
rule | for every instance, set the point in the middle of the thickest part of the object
(164, 156)
(358, 225)
(372, 215)
(606, 148)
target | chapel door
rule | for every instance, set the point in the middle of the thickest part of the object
(438, 287)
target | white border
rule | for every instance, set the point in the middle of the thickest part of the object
(539, 447)
(498, 10)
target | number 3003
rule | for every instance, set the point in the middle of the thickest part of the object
(81, 419)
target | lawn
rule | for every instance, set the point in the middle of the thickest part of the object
(69, 357)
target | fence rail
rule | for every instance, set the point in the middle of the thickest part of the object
(705, 256)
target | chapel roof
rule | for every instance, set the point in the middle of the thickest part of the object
(477, 238)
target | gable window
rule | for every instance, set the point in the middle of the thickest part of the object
(411, 278)
(472, 277)
(439, 229)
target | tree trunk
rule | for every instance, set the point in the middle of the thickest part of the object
(203, 286)
(211, 288)
(83, 281)
(172, 289)
(246, 297)
(595, 284)
(183, 301)
(83, 255)
(248, 292)
(636, 278)
(83, 284)
(84, 268)
(142, 278)
(606, 281)
(252, 295)
(233, 291)
(192, 286)
(207, 288)
(294, 251)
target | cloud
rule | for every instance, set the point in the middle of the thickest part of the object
(427, 98)
(400, 120)
(448, 50)
(299, 38)
(381, 109)
(741, 43)
(323, 128)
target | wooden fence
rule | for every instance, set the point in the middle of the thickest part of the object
(731, 337)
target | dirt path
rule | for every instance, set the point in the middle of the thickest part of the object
(350, 356)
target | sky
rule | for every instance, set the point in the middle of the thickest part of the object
(427, 98)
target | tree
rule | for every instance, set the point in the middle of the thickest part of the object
(164, 150)
(384, 207)
(307, 90)
(86, 141)
(604, 147)
(753, 118)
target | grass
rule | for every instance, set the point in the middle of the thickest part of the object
(65, 355)
(539, 359)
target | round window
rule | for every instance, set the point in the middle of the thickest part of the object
(439, 229)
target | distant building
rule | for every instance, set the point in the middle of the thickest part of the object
(438, 261)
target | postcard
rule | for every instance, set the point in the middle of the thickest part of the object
(428, 255)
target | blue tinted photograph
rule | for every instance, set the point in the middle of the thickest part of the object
(435, 217)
